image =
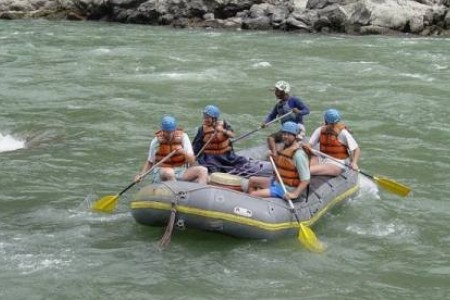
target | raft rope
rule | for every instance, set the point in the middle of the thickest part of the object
(167, 236)
(252, 168)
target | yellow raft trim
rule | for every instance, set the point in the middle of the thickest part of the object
(240, 219)
(332, 203)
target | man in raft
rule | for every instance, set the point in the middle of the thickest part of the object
(285, 104)
(334, 140)
(166, 140)
(292, 163)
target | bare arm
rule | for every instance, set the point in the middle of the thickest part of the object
(147, 166)
(227, 129)
(354, 156)
(190, 158)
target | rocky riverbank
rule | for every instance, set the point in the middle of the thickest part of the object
(421, 17)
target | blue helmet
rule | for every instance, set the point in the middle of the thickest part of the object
(290, 127)
(331, 116)
(212, 111)
(168, 123)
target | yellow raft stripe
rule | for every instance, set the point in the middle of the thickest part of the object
(214, 215)
(330, 205)
(240, 219)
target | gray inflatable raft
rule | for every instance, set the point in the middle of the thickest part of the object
(231, 212)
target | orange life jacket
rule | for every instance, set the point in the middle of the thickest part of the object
(166, 147)
(286, 167)
(219, 144)
(329, 143)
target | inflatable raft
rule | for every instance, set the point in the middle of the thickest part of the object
(223, 207)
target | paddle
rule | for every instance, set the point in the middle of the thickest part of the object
(167, 236)
(305, 234)
(386, 183)
(107, 204)
(260, 127)
(205, 145)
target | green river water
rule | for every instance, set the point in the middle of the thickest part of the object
(88, 97)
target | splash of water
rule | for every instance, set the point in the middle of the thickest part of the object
(9, 143)
(368, 187)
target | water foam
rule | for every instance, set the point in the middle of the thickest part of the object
(9, 143)
(367, 187)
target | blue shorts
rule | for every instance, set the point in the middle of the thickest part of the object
(276, 190)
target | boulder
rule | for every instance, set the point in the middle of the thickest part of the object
(350, 16)
(447, 20)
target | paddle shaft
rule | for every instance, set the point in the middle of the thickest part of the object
(340, 162)
(206, 145)
(305, 235)
(149, 170)
(127, 188)
(291, 205)
(108, 203)
(261, 127)
(386, 183)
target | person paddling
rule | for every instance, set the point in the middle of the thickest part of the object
(212, 144)
(285, 103)
(292, 162)
(335, 140)
(167, 139)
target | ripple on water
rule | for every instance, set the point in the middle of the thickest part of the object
(102, 98)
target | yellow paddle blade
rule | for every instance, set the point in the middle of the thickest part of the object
(309, 239)
(106, 204)
(392, 186)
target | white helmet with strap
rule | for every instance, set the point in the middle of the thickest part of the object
(283, 86)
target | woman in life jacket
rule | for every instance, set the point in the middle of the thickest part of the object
(212, 144)
(292, 163)
(333, 139)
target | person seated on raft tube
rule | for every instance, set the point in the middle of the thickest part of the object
(212, 143)
(285, 103)
(167, 139)
(335, 140)
(292, 163)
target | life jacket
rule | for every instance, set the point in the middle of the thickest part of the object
(282, 108)
(286, 167)
(329, 142)
(219, 144)
(166, 147)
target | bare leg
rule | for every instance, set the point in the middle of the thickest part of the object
(263, 193)
(256, 183)
(197, 173)
(167, 174)
(325, 169)
(314, 161)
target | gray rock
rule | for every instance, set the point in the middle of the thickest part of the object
(260, 23)
(350, 16)
(295, 24)
(447, 20)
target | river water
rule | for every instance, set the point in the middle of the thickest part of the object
(79, 105)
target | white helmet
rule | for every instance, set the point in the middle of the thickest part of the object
(283, 86)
